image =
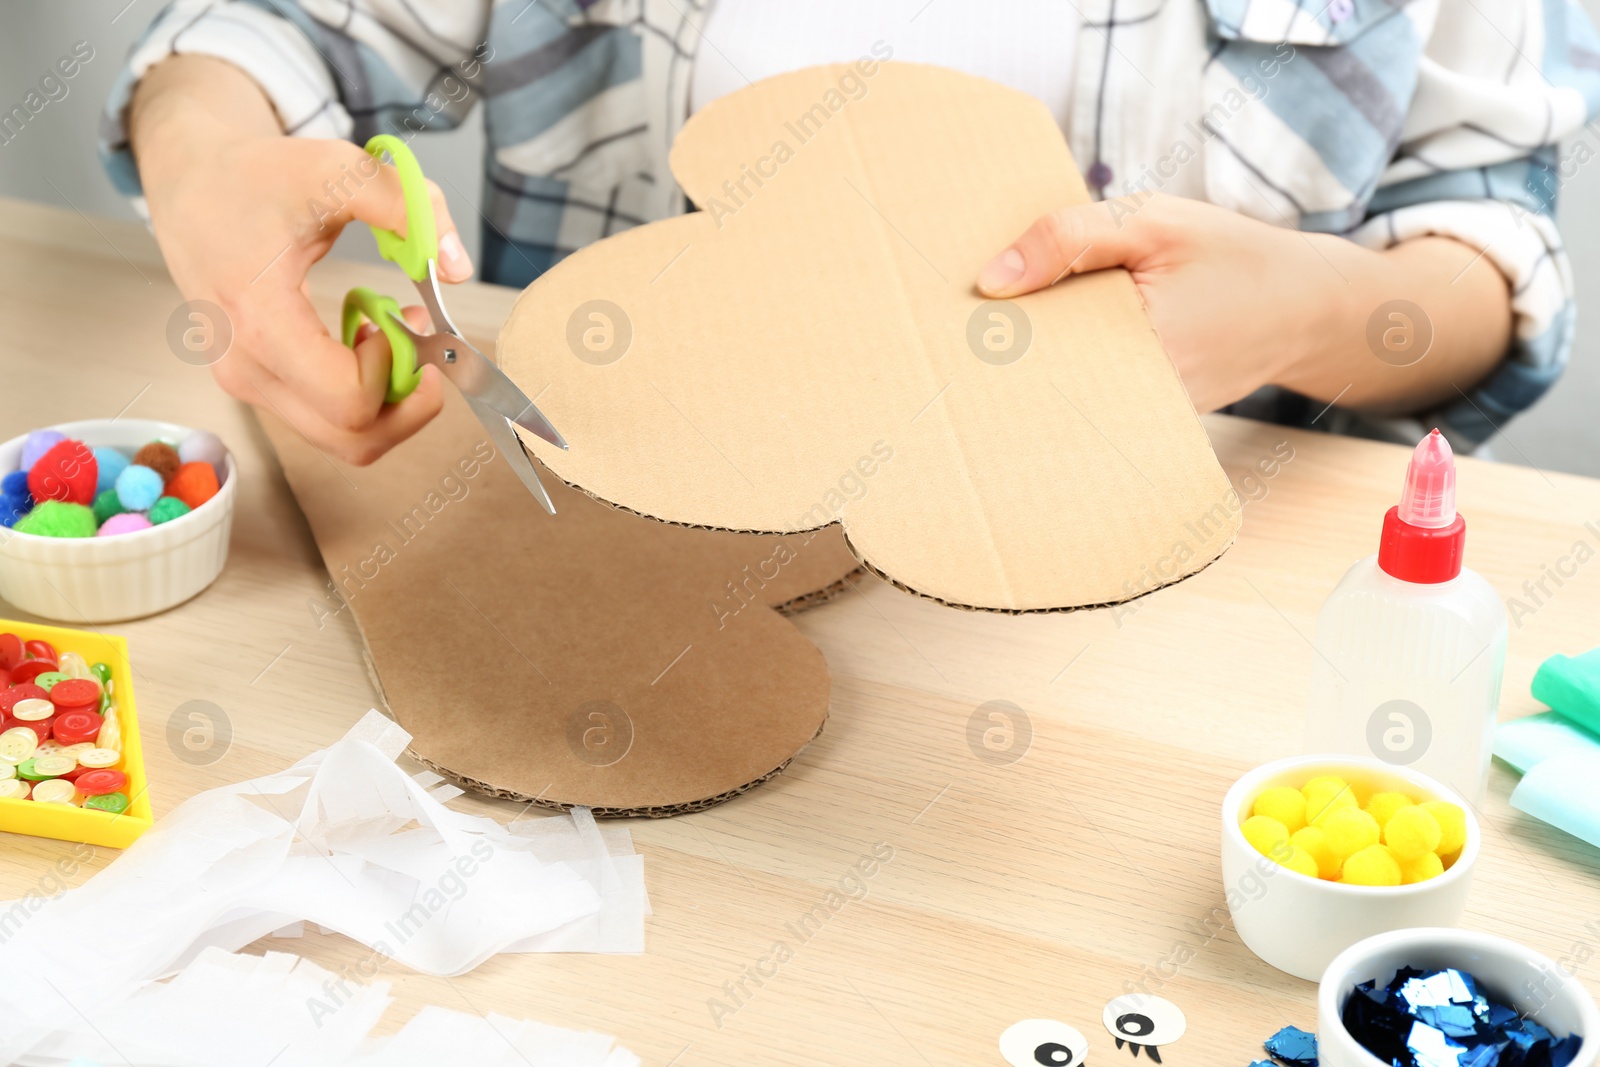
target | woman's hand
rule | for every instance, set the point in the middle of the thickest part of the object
(1239, 304)
(242, 213)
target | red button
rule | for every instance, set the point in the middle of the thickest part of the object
(76, 694)
(94, 783)
(12, 650)
(76, 727)
(10, 698)
(28, 670)
(41, 650)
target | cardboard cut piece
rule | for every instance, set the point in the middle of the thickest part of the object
(591, 658)
(744, 367)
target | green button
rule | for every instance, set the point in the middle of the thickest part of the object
(115, 803)
(28, 771)
(48, 679)
(102, 671)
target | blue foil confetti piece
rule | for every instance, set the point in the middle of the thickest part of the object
(1294, 1046)
(1445, 1018)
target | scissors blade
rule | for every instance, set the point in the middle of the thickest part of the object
(473, 374)
(508, 444)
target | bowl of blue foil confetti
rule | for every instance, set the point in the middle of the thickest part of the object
(1440, 997)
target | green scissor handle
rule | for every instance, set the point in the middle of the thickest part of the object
(421, 242)
(362, 302)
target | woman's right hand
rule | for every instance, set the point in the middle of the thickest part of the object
(241, 213)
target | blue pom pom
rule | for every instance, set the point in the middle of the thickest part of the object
(14, 508)
(37, 444)
(111, 463)
(15, 484)
(138, 487)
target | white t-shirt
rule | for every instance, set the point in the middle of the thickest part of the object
(1026, 44)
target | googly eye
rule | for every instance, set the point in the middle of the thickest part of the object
(1043, 1043)
(1141, 1019)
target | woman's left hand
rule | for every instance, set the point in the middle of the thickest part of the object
(1237, 303)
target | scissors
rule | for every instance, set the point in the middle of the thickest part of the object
(494, 398)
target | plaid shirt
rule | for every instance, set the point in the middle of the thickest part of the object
(1381, 120)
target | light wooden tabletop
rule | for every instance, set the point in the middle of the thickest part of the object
(1042, 886)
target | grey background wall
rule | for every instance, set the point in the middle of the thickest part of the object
(54, 162)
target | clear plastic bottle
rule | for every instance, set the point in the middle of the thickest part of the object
(1411, 645)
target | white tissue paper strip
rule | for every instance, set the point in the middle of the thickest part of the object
(289, 1012)
(344, 840)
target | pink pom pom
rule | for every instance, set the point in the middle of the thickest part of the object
(127, 522)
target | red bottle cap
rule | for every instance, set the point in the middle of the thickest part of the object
(1424, 539)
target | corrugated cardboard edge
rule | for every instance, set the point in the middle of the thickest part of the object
(866, 566)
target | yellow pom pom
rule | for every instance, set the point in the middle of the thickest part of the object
(1326, 794)
(1300, 861)
(1410, 832)
(1421, 869)
(1383, 805)
(1314, 843)
(1283, 803)
(1452, 825)
(1373, 865)
(1267, 836)
(1349, 830)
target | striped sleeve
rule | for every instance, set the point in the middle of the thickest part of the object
(1501, 85)
(331, 69)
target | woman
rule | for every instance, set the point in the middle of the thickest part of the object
(1336, 217)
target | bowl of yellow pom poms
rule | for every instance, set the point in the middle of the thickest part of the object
(1319, 852)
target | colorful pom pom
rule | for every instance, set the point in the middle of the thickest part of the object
(194, 484)
(159, 457)
(1286, 804)
(1373, 865)
(1300, 861)
(15, 484)
(138, 487)
(107, 504)
(1428, 865)
(1267, 836)
(166, 509)
(202, 446)
(1452, 825)
(1314, 842)
(56, 518)
(1383, 805)
(1326, 794)
(1411, 832)
(112, 463)
(67, 472)
(37, 444)
(126, 522)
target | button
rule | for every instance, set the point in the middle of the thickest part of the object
(14, 789)
(40, 650)
(33, 710)
(1099, 174)
(73, 665)
(55, 791)
(73, 727)
(48, 680)
(95, 758)
(76, 694)
(18, 744)
(115, 803)
(7, 772)
(101, 671)
(53, 766)
(11, 650)
(93, 783)
(110, 734)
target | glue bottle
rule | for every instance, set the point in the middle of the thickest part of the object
(1411, 645)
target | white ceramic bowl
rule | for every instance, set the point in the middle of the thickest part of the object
(108, 579)
(1525, 980)
(1299, 924)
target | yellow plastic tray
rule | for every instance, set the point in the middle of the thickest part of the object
(65, 822)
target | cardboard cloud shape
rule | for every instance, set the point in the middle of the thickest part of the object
(809, 349)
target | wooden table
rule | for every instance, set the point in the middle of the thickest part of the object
(1039, 887)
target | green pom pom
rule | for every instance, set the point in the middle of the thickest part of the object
(165, 510)
(106, 504)
(57, 518)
